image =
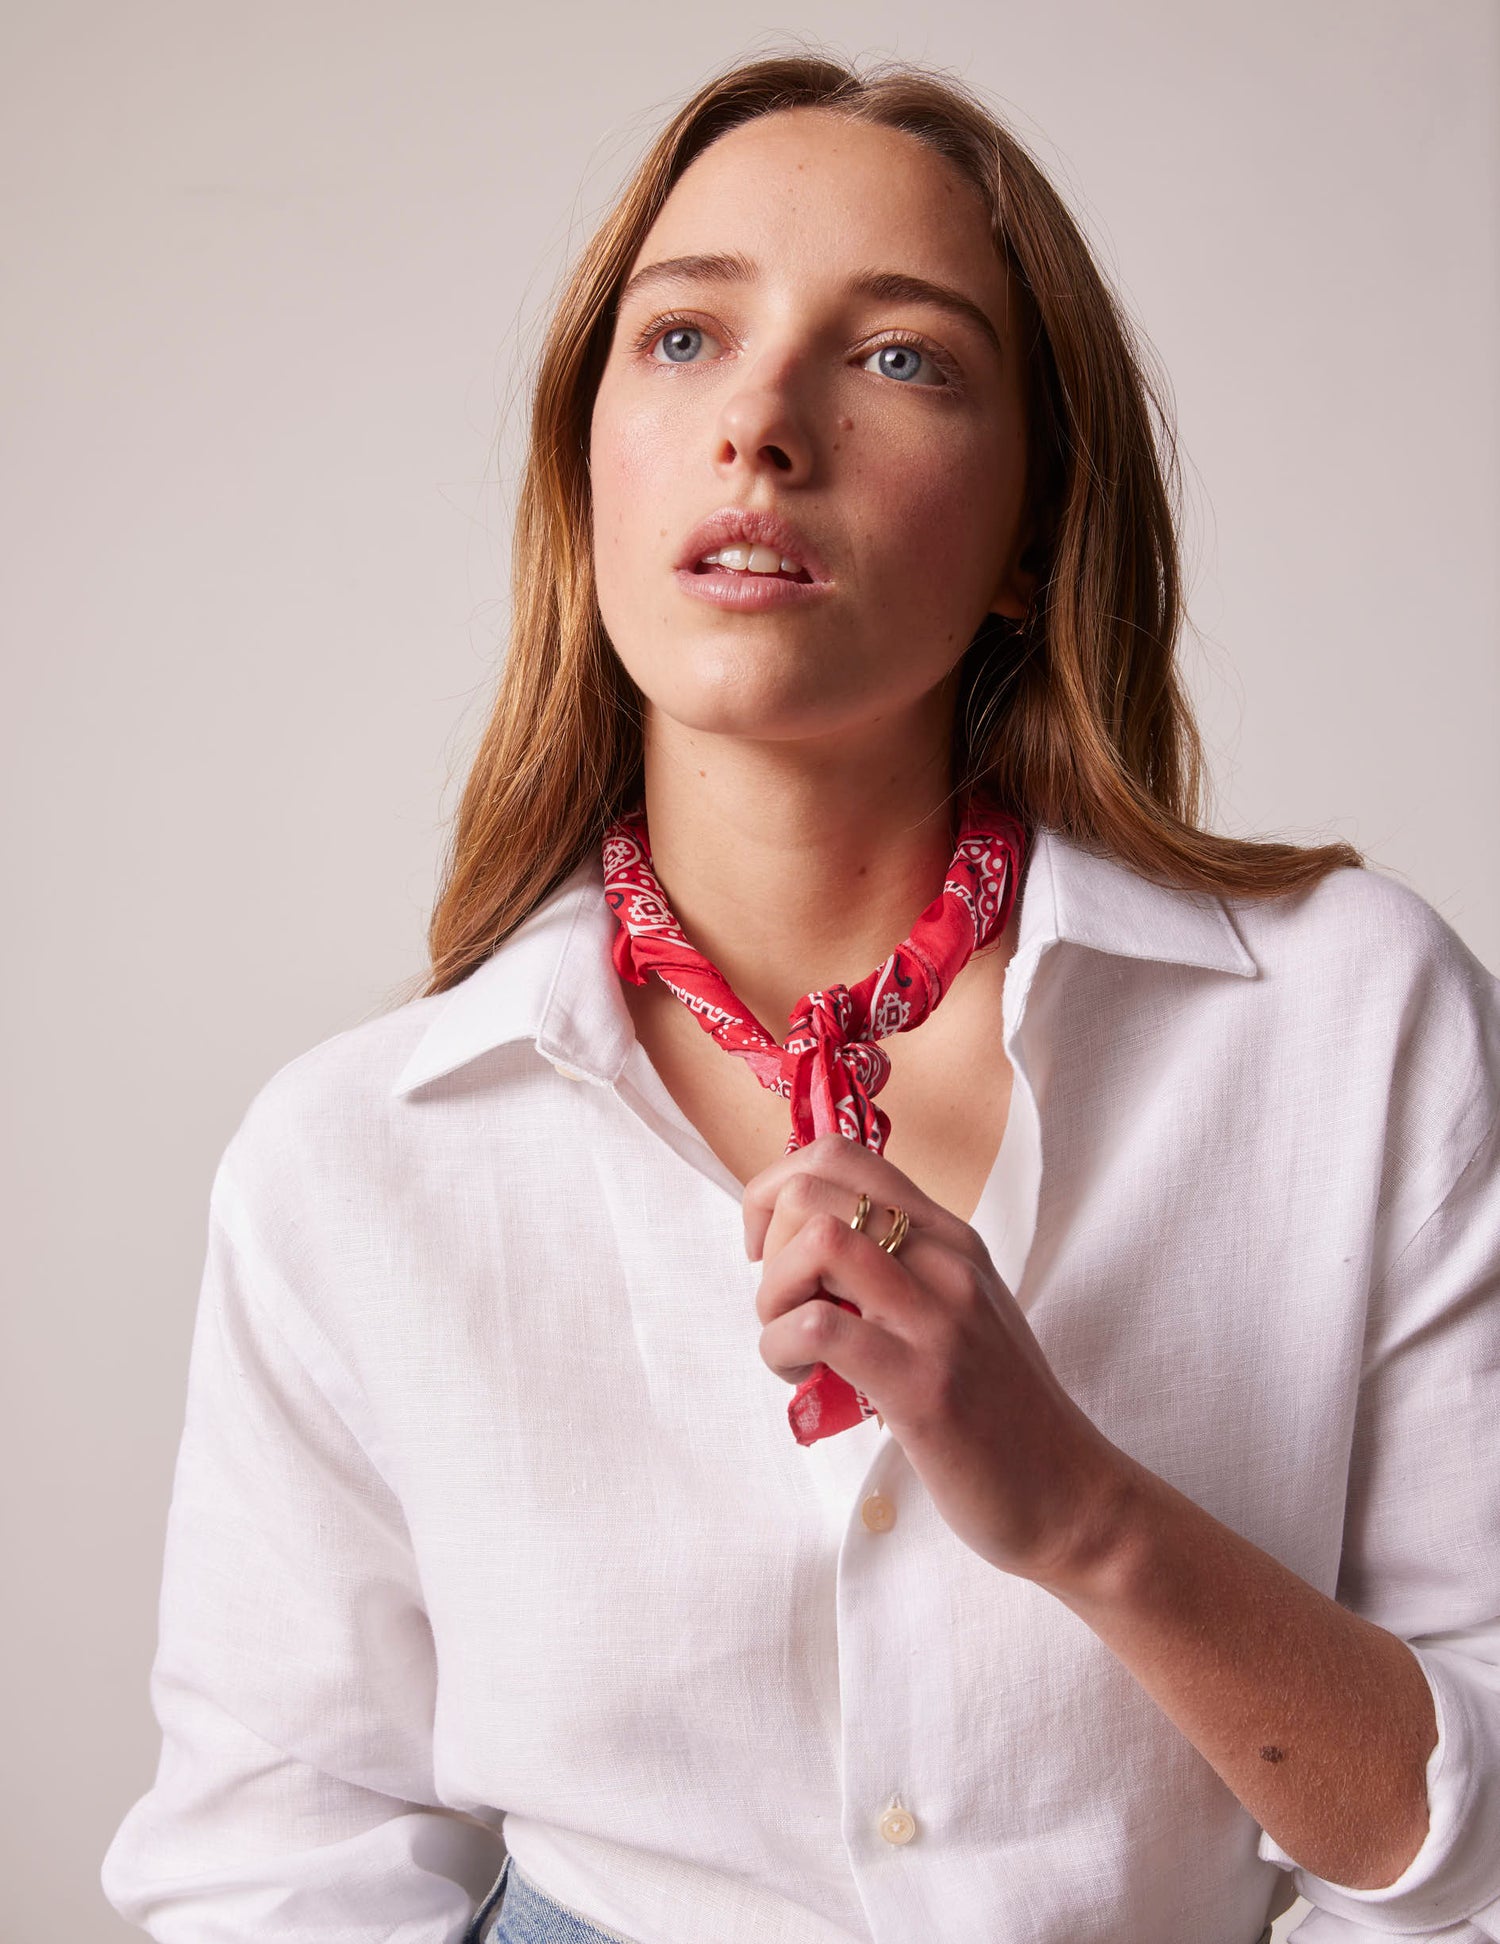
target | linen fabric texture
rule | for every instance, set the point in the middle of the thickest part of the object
(831, 1065)
(449, 1569)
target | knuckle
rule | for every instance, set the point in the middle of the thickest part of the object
(962, 1272)
(819, 1322)
(978, 1256)
(827, 1230)
(968, 1282)
(801, 1194)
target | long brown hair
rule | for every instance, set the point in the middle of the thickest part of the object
(1077, 718)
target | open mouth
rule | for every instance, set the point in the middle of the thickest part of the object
(750, 573)
(739, 561)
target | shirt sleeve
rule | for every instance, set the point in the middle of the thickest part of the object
(294, 1680)
(1421, 1557)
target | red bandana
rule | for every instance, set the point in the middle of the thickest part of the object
(829, 1065)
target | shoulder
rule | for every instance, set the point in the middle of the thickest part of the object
(313, 1118)
(1363, 926)
(1362, 965)
(355, 1067)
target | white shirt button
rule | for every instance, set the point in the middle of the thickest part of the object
(878, 1512)
(898, 1825)
(566, 1072)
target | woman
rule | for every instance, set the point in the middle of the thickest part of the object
(1098, 1534)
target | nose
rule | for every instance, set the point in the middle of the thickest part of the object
(760, 427)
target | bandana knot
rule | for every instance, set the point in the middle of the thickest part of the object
(835, 1066)
(829, 1067)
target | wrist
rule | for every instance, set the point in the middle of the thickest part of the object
(1104, 1552)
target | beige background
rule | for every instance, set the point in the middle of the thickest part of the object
(274, 272)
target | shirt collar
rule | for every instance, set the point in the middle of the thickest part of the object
(552, 981)
(1077, 896)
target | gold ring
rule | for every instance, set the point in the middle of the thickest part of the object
(861, 1213)
(892, 1241)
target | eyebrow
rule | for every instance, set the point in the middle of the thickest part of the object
(885, 286)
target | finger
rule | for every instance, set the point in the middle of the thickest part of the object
(826, 1258)
(807, 1193)
(927, 1284)
(818, 1332)
(842, 1164)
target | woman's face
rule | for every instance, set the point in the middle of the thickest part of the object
(797, 371)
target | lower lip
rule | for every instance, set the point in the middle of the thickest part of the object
(749, 593)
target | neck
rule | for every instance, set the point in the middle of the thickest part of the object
(793, 870)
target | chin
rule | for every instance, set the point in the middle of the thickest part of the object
(714, 688)
(750, 711)
(748, 721)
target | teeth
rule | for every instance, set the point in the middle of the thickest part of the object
(753, 560)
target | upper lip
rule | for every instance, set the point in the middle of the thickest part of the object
(733, 523)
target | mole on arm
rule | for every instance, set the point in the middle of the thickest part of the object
(1271, 1753)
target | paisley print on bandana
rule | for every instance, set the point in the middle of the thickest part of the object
(830, 1065)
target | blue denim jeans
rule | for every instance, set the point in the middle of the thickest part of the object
(529, 1916)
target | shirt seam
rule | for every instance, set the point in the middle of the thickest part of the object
(1377, 1288)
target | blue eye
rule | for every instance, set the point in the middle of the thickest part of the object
(900, 361)
(672, 342)
(679, 342)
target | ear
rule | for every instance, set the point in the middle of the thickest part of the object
(1018, 581)
(1013, 597)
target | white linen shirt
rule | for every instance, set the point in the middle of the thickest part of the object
(487, 1510)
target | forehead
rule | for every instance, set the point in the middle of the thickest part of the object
(811, 187)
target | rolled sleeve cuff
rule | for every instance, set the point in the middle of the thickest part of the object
(1455, 1875)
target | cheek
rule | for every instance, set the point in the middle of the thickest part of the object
(937, 525)
(628, 464)
(629, 446)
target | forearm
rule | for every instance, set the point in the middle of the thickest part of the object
(1319, 1721)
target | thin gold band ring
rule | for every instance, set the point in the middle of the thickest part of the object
(896, 1235)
